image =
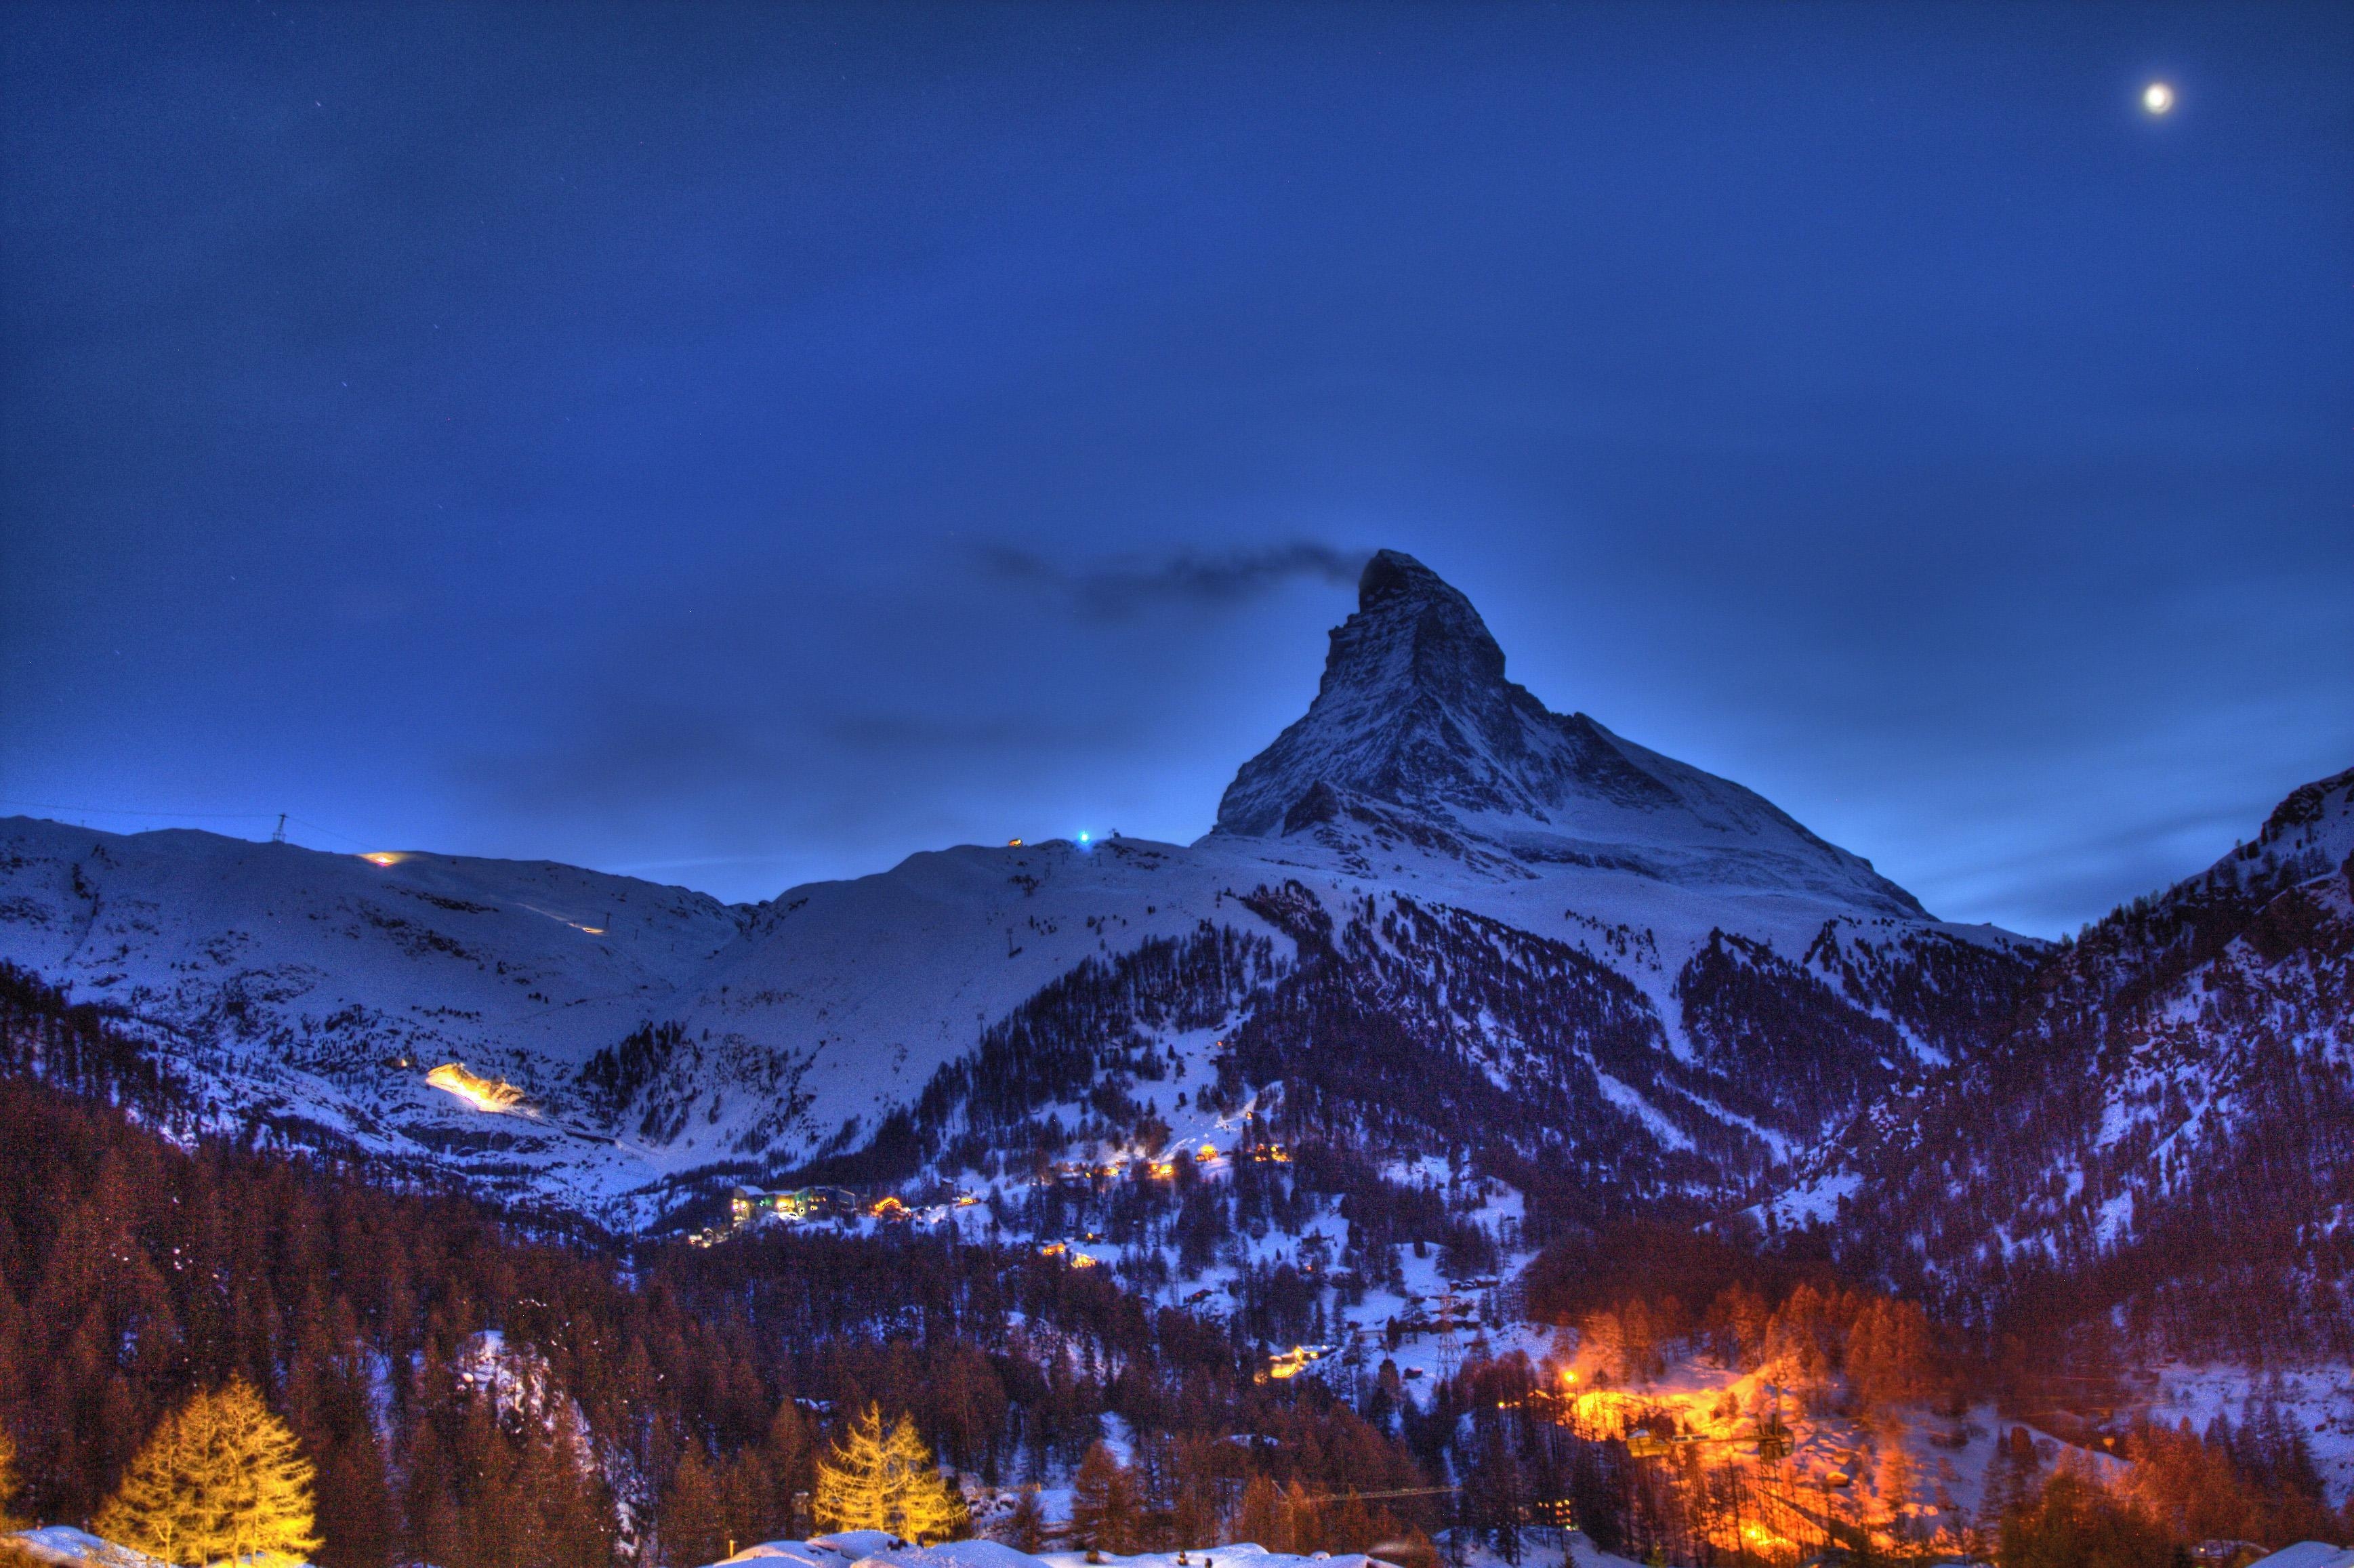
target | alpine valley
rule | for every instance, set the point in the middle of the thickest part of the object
(1434, 919)
(1459, 995)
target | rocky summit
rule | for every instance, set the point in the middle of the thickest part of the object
(1416, 734)
(1607, 975)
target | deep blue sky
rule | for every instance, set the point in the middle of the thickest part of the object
(742, 444)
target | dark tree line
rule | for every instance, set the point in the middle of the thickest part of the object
(480, 1393)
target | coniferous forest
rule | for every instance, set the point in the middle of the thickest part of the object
(477, 1389)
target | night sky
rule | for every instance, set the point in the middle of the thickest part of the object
(736, 446)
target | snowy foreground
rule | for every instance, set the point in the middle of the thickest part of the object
(874, 1548)
(870, 1549)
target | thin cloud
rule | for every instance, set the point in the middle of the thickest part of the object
(1127, 585)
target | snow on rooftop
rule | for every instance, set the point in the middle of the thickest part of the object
(2308, 1554)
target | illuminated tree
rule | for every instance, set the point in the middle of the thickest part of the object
(881, 1478)
(219, 1478)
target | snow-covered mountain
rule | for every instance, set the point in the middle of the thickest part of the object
(2162, 1136)
(1416, 735)
(1448, 920)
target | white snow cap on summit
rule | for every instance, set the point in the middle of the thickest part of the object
(1415, 726)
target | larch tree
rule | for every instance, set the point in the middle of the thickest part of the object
(9, 1483)
(692, 1523)
(789, 1462)
(1263, 1519)
(219, 1478)
(880, 1478)
(1105, 1509)
(1025, 1527)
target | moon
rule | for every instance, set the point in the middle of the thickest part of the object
(2157, 98)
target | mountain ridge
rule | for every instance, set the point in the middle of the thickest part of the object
(1413, 715)
(1560, 917)
(2163, 1132)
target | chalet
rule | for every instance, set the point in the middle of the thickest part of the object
(749, 1206)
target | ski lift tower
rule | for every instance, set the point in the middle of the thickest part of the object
(1451, 1350)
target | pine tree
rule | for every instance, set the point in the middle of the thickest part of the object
(854, 1482)
(9, 1483)
(1263, 1519)
(692, 1529)
(1304, 1521)
(789, 1462)
(1025, 1527)
(219, 1478)
(494, 1529)
(1104, 1506)
(749, 1500)
(926, 1508)
(1897, 1472)
(570, 1522)
(884, 1478)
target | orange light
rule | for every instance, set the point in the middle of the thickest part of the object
(1291, 1362)
(482, 1094)
(1013, 843)
(383, 858)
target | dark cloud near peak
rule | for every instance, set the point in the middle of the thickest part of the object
(1127, 585)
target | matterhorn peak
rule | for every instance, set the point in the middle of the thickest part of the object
(1413, 710)
(1404, 609)
(1415, 724)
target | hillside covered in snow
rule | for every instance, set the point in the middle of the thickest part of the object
(2161, 1136)
(1487, 1109)
(1604, 973)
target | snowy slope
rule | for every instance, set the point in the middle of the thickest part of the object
(2170, 1114)
(1426, 817)
(1416, 727)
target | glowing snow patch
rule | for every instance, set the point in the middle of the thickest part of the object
(482, 1094)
